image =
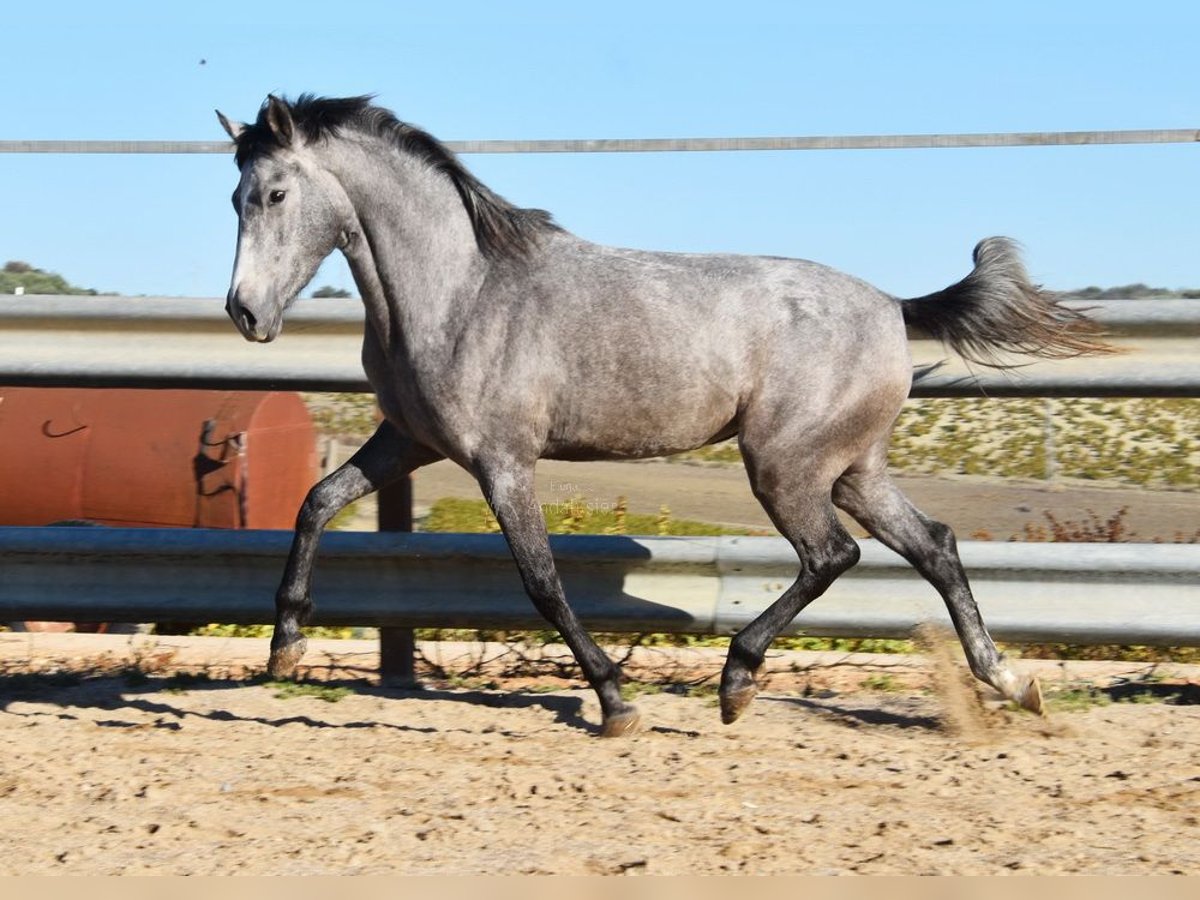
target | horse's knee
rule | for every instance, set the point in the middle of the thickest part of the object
(319, 506)
(839, 554)
(848, 554)
(943, 537)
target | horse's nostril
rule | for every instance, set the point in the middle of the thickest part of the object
(248, 319)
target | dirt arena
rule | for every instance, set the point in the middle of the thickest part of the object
(114, 759)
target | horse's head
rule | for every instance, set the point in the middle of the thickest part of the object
(292, 213)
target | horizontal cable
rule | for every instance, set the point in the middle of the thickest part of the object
(672, 145)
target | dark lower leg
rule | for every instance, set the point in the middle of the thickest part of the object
(383, 458)
(826, 551)
(511, 494)
(931, 548)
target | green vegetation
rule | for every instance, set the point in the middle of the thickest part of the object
(219, 630)
(1081, 696)
(619, 639)
(1076, 699)
(631, 690)
(265, 631)
(34, 281)
(880, 682)
(288, 690)
(1123, 652)
(1137, 291)
(575, 516)
(329, 291)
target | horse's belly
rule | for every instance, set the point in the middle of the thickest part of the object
(628, 434)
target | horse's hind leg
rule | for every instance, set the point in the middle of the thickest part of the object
(798, 502)
(386, 456)
(871, 497)
(508, 487)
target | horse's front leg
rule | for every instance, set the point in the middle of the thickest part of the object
(386, 456)
(509, 489)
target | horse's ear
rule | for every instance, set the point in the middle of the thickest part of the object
(233, 129)
(279, 118)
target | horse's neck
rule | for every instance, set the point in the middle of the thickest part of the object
(414, 259)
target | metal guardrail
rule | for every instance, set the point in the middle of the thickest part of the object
(164, 342)
(1097, 593)
(156, 342)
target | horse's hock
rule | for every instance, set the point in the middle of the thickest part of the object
(161, 458)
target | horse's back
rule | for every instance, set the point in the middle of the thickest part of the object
(762, 292)
(727, 318)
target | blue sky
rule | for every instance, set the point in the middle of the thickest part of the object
(905, 220)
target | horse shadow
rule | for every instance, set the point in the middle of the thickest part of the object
(148, 696)
(858, 716)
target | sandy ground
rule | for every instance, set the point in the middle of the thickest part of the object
(127, 772)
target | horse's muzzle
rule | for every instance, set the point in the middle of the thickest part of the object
(253, 328)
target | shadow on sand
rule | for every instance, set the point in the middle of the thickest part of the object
(153, 697)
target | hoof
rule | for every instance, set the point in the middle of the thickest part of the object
(620, 724)
(1029, 696)
(734, 703)
(283, 661)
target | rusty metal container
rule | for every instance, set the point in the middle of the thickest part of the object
(163, 458)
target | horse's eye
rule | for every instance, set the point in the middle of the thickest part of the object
(276, 196)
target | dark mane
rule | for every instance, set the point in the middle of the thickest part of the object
(501, 229)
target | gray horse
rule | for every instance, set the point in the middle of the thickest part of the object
(494, 338)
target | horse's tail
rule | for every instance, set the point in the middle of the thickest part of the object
(997, 309)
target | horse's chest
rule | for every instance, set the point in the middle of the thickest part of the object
(396, 391)
(412, 403)
(405, 405)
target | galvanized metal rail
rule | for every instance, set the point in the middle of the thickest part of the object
(1098, 593)
(170, 342)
